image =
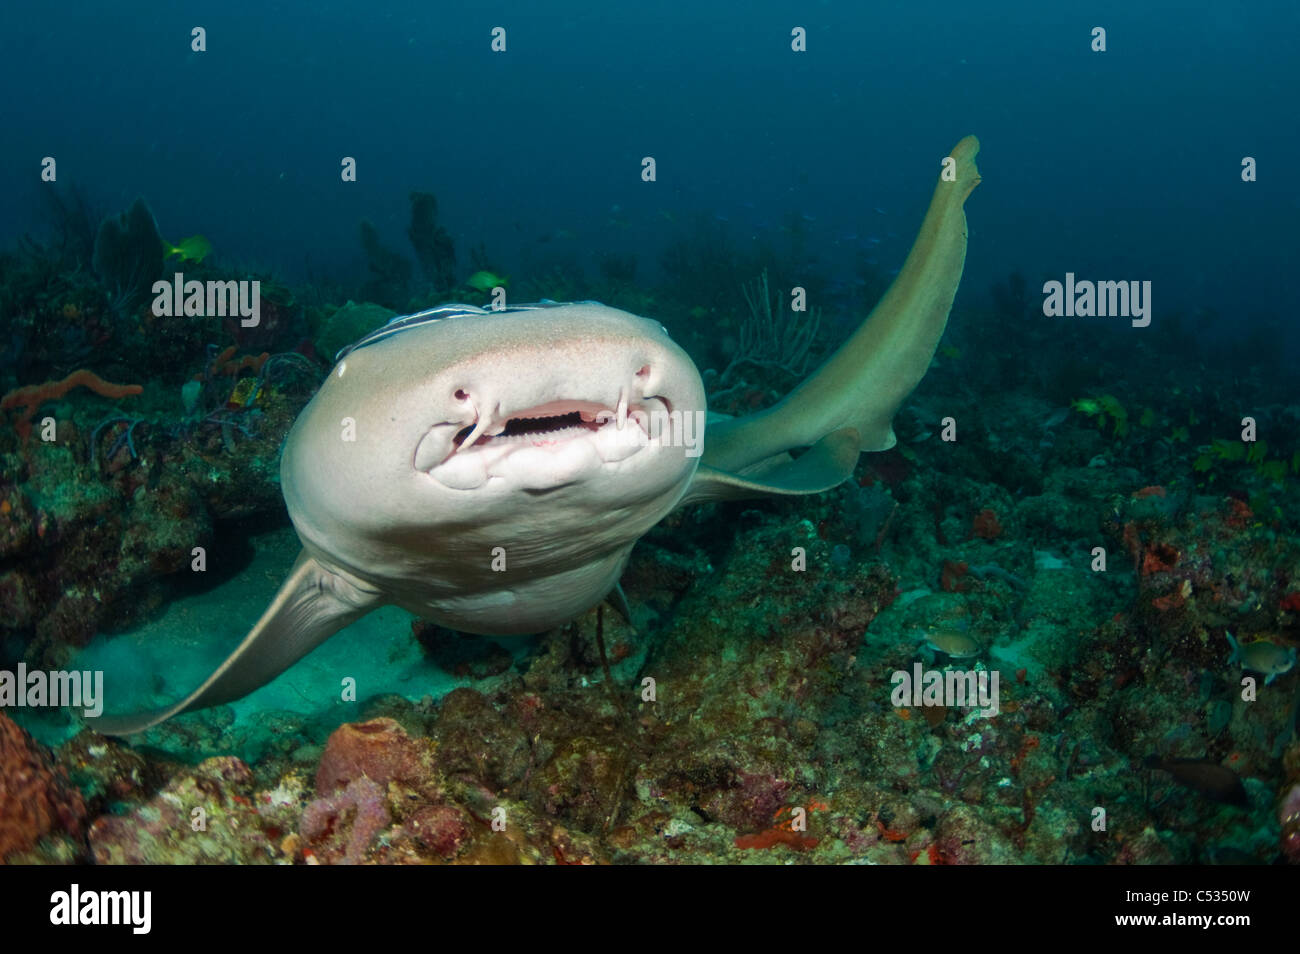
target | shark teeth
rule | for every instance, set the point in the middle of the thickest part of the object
(545, 424)
(489, 438)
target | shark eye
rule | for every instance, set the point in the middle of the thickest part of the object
(643, 371)
(461, 395)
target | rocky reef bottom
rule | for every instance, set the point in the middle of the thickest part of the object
(751, 715)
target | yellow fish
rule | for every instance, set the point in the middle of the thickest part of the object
(192, 249)
(486, 281)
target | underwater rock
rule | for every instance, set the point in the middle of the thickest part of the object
(204, 815)
(475, 739)
(582, 783)
(462, 654)
(964, 836)
(106, 770)
(381, 798)
(443, 829)
(36, 798)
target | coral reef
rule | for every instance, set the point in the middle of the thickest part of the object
(209, 814)
(1093, 538)
(36, 799)
(93, 523)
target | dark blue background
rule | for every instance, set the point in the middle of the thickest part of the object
(1117, 165)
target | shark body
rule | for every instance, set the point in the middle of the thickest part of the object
(492, 471)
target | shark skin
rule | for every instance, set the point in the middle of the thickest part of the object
(491, 471)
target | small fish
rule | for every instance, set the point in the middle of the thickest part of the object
(873, 240)
(1211, 779)
(245, 394)
(192, 249)
(953, 642)
(808, 218)
(880, 211)
(486, 281)
(1057, 417)
(1263, 657)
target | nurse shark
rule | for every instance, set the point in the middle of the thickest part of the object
(492, 470)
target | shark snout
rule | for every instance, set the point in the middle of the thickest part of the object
(561, 413)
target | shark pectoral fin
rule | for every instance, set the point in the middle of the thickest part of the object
(311, 606)
(863, 384)
(824, 465)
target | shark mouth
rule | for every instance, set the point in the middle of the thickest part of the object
(545, 425)
(542, 446)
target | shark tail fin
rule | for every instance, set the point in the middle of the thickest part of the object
(311, 605)
(864, 383)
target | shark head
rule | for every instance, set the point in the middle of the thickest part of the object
(548, 438)
(492, 470)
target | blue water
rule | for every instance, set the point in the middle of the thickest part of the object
(1122, 164)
